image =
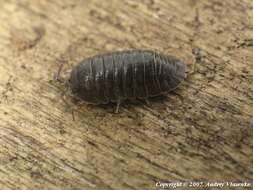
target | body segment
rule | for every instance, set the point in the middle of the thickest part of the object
(117, 76)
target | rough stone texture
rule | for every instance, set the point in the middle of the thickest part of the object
(200, 132)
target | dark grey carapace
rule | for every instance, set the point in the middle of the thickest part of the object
(117, 76)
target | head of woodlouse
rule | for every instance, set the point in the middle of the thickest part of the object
(74, 81)
(175, 72)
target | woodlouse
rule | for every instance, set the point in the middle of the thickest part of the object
(116, 76)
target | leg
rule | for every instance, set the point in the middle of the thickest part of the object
(70, 106)
(73, 115)
(117, 108)
(66, 91)
(144, 100)
(197, 55)
(193, 68)
(73, 107)
(147, 101)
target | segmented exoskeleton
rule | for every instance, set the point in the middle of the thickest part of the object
(117, 76)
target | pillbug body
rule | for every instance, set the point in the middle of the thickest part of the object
(117, 76)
